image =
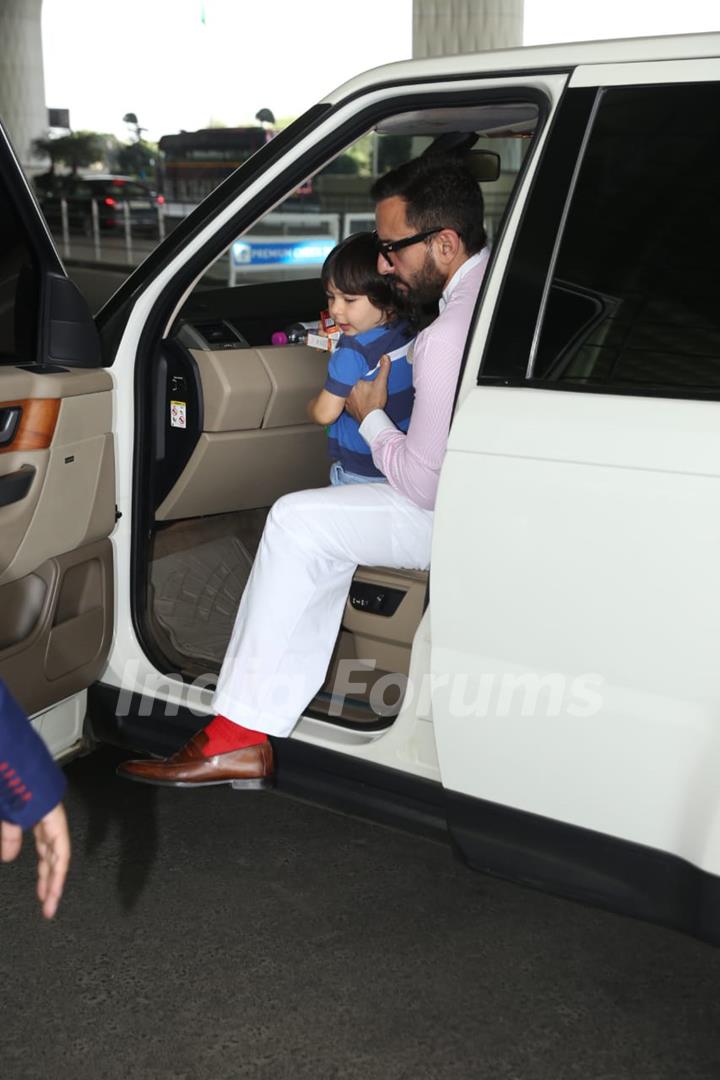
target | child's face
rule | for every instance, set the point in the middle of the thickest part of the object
(353, 314)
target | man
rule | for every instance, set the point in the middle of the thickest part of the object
(429, 215)
(31, 786)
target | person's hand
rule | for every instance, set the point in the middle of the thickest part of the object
(369, 394)
(52, 841)
(10, 841)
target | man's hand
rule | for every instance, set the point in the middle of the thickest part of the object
(369, 394)
(10, 841)
(52, 842)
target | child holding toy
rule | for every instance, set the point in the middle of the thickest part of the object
(366, 309)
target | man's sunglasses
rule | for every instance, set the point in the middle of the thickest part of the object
(386, 247)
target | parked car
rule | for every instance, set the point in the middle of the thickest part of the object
(556, 705)
(111, 195)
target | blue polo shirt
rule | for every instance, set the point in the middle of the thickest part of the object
(358, 357)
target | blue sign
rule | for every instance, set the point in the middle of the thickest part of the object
(302, 252)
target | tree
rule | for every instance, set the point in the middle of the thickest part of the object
(77, 150)
(344, 165)
(393, 150)
(47, 147)
(137, 159)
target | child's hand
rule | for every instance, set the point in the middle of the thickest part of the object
(368, 395)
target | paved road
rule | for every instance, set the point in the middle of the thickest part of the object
(112, 248)
(248, 935)
(99, 274)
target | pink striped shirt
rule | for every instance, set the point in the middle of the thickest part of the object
(411, 462)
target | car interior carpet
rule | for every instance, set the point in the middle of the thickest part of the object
(196, 594)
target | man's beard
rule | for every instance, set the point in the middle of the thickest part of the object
(426, 285)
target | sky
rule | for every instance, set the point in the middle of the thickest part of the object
(186, 63)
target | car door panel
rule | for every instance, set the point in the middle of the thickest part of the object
(56, 581)
(71, 499)
(56, 626)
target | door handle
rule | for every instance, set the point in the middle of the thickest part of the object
(9, 420)
(14, 486)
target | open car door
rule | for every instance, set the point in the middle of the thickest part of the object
(57, 475)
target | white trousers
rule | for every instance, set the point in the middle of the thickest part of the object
(290, 612)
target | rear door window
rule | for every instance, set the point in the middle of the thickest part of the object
(632, 302)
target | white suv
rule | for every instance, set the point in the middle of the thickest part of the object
(553, 702)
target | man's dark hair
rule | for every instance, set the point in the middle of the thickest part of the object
(352, 268)
(439, 190)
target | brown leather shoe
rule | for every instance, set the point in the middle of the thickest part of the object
(251, 767)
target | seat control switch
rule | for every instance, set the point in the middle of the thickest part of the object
(375, 599)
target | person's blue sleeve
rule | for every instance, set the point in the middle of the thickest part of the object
(31, 784)
(345, 368)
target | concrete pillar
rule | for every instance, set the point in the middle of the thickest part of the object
(449, 27)
(22, 82)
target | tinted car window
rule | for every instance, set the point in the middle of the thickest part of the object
(19, 276)
(633, 299)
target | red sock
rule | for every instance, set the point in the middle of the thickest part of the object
(224, 736)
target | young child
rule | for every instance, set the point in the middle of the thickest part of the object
(364, 306)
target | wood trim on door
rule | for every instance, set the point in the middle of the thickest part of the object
(36, 426)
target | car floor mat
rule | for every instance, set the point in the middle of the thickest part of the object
(196, 594)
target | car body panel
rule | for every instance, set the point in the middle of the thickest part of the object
(587, 691)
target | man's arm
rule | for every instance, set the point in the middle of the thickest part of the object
(411, 463)
(345, 367)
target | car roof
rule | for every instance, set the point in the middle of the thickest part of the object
(525, 59)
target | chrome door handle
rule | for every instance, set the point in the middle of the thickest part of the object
(9, 420)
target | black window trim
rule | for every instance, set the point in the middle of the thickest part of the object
(27, 208)
(569, 122)
(529, 371)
